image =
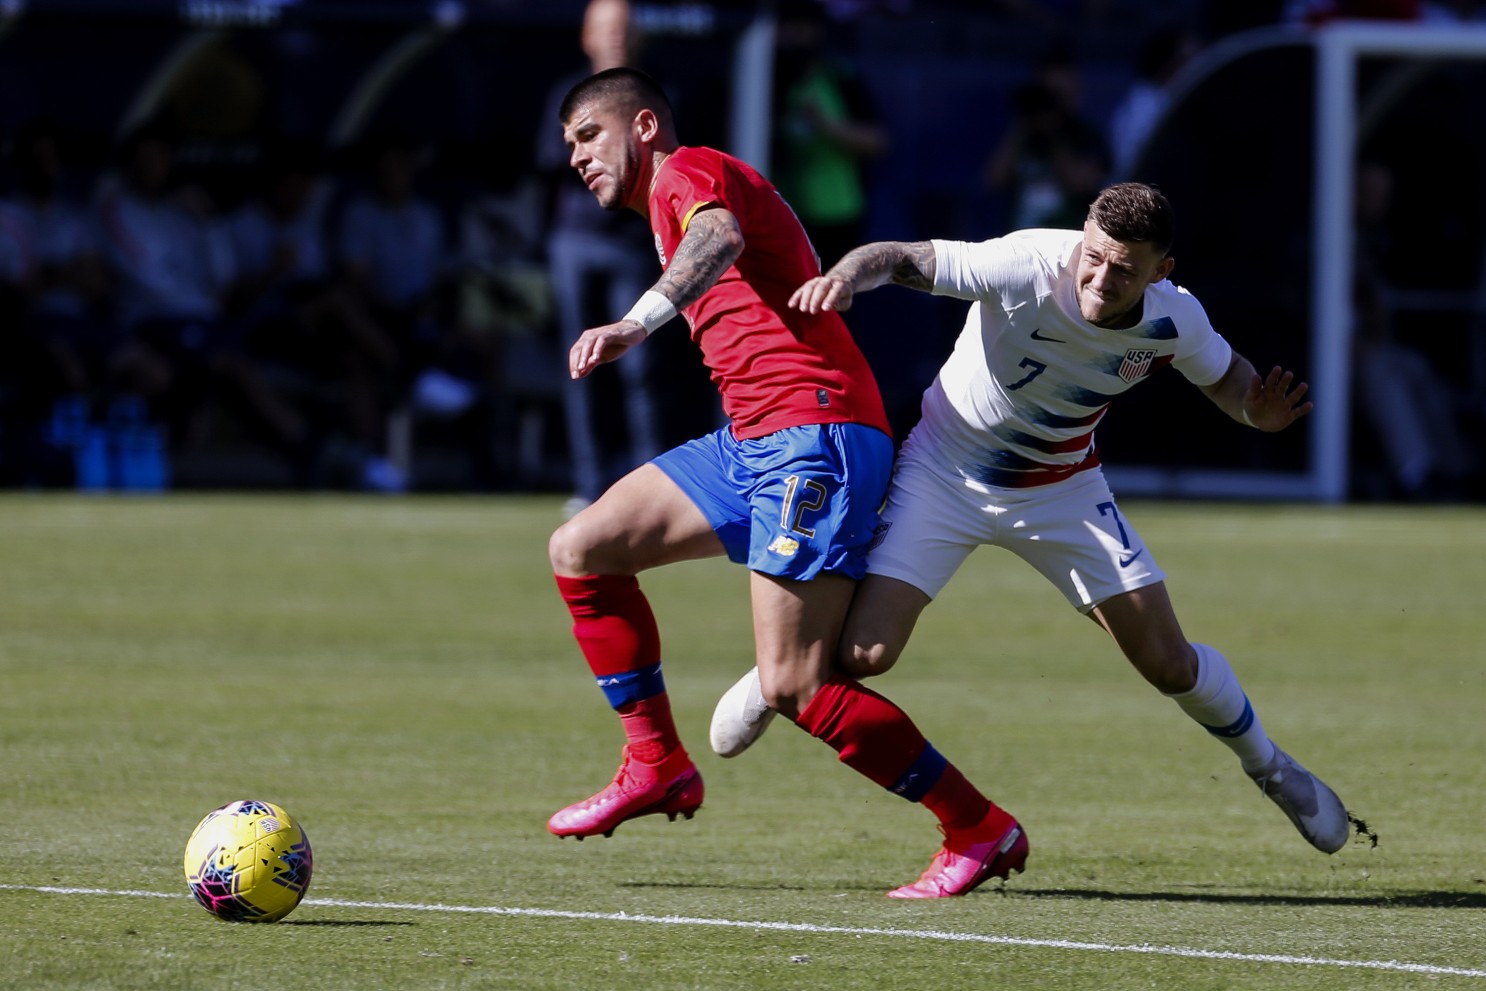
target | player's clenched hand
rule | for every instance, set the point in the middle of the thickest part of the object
(823, 292)
(599, 345)
(1270, 404)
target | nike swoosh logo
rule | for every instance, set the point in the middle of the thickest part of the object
(1125, 562)
(1037, 336)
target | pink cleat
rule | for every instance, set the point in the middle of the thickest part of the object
(672, 787)
(967, 859)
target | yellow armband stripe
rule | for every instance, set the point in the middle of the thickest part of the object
(686, 219)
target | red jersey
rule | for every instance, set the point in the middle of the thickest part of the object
(775, 367)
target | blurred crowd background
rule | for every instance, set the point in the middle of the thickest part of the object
(324, 244)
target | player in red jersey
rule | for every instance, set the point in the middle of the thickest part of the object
(790, 488)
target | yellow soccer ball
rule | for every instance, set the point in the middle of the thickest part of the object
(248, 861)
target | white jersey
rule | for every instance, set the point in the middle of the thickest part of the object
(1017, 402)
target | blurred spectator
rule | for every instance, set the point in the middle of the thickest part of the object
(172, 269)
(1402, 397)
(850, 10)
(601, 261)
(1052, 160)
(63, 278)
(1221, 18)
(502, 339)
(58, 345)
(1161, 57)
(828, 130)
(393, 255)
(1061, 16)
(297, 317)
(1452, 11)
(1314, 12)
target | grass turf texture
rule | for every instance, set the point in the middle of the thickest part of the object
(399, 675)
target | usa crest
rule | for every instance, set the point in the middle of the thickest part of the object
(1137, 364)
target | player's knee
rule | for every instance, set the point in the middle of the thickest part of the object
(862, 657)
(571, 549)
(871, 642)
(1171, 671)
(787, 692)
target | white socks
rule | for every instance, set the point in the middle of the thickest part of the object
(1219, 704)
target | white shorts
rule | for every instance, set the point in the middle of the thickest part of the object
(1070, 531)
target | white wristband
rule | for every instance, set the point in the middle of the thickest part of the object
(651, 310)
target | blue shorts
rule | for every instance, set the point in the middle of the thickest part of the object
(795, 503)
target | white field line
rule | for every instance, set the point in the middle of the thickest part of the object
(1397, 966)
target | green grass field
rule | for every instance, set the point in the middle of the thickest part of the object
(400, 676)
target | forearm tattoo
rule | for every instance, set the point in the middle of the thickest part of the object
(907, 264)
(711, 244)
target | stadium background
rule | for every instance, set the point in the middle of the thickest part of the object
(467, 80)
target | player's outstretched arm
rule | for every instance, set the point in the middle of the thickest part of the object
(905, 263)
(713, 241)
(1270, 403)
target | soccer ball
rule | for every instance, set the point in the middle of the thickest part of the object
(248, 862)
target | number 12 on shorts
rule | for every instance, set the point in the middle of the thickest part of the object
(800, 495)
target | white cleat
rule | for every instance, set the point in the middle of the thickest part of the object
(1312, 807)
(741, 716)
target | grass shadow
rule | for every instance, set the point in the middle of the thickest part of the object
(1408, 899)
(348, 923)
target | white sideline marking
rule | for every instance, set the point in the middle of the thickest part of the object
(1398, 966)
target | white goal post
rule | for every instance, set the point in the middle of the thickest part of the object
(1338, 49)
(1341, 116)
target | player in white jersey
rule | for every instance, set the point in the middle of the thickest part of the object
(1062, 323)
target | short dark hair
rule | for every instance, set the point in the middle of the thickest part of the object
(630, 89)
(1134, 211)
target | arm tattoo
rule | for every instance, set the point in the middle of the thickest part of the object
(711, 244)
(871, 265)
(916, 268)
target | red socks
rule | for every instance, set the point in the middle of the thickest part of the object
(876, 739)
(612, 621)
(959, 805)
(616, 631)
(650, 729)
(873, 736)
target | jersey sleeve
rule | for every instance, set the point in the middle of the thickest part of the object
(983, 270)
(687, 188)
(1203, 355)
